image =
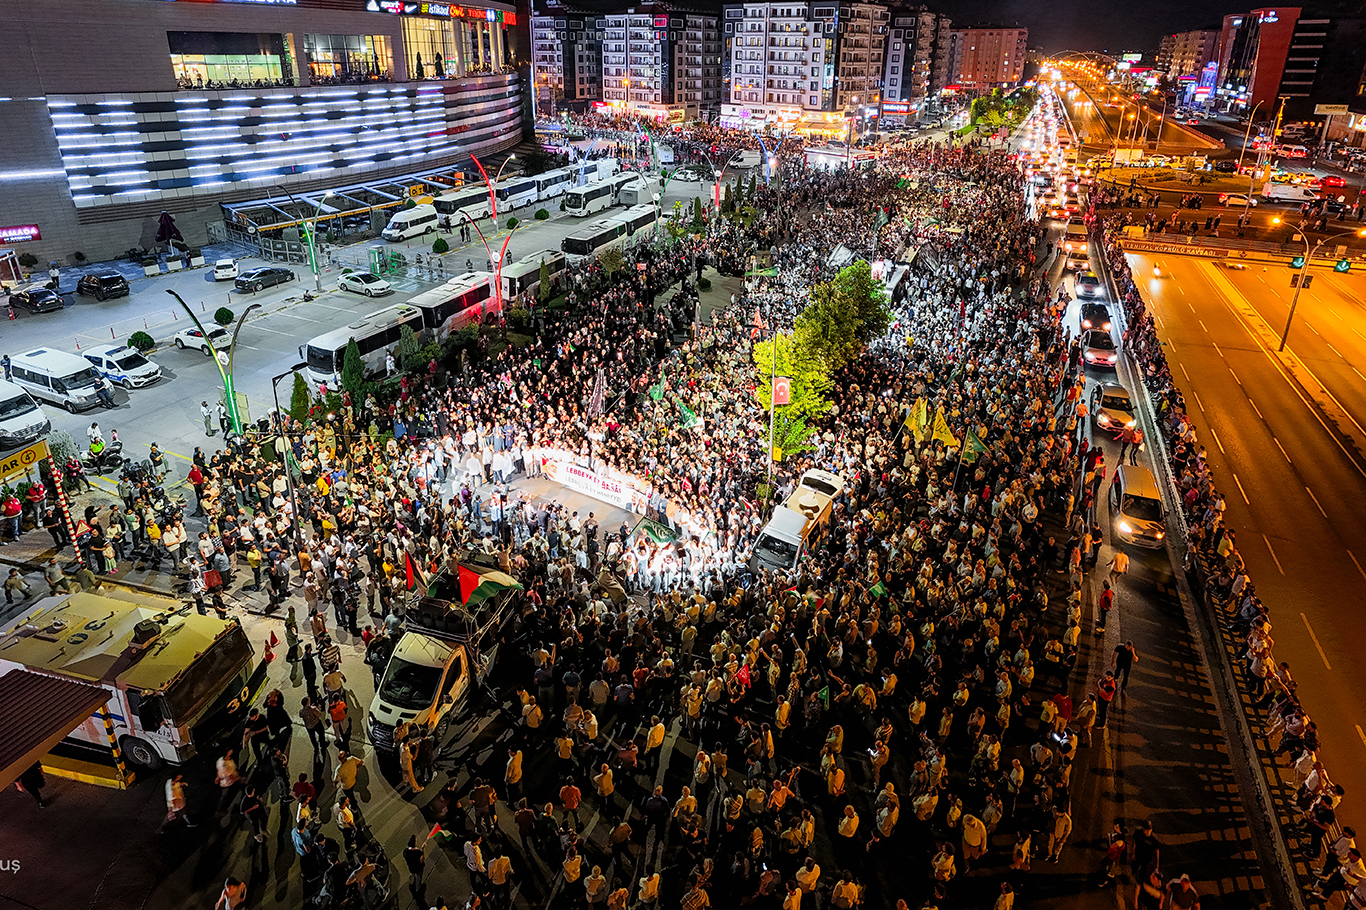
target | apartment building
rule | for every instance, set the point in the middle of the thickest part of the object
(802, 65)
(662, 61)
(917, 50)
(566, 55)
(988, 57)
(1184, 54)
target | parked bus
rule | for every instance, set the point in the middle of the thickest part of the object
(621, 182)
(473, 201)
(454, 304)
(592, 239)
(524, 275)
(554, 183)
(582, 201)
(515, 193)
(637, 219)
(175, 680)
(376, 335)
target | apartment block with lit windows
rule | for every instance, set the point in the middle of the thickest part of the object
(988, 57)
(566, 61)
(918, 38)
(662, 61)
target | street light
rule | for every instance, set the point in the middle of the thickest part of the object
(1243, 151)
(493, 196)
(224, 366)
(280, 434)
(496, 262)
(310, 235)
(1309, 253)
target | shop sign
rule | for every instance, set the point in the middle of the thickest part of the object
(895, 107)
(23, 461)
(1330, 108)
(18, 233)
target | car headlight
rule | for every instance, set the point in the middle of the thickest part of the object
(1086, 323)
(1158, 534)
(1126, 527)
(1091, 357)
(1103, 419)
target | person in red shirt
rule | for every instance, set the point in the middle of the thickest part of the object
(1106, 604)
(1105, 693)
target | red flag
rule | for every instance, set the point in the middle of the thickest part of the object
(408, 567)
(743, 675)
(782, 390)
(436, 829)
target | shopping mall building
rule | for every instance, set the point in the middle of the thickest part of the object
(115, 111)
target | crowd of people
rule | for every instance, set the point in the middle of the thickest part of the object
(737, 733)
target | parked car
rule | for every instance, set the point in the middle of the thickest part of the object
(102, 287)
(1235, 199)
(122, 365)
(1226, 167)
(191, 338)
(264, 277)
(37, 300)
(225, 270)
(1098, 349)
(365, 283)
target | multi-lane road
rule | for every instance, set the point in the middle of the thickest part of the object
(1292, 478)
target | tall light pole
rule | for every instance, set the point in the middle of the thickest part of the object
(1247, 134)
(280, 432)
(495, 261)
(310, 235)
(1309, 253)
(493, 195)
(222, 361)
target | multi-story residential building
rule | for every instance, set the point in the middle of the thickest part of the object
(566, 59)
(916, 37)
(663, 61)
(1184, 54)
(988, 57)
(803, 65)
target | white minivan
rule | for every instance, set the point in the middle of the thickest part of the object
(413, 222)
(56, 376)
(22, 420)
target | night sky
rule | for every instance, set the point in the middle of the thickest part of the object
(1106, 25)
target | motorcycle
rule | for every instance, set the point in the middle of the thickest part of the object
(108, 458)
(136, 254)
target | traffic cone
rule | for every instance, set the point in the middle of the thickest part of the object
(274, 642)
(270, 655)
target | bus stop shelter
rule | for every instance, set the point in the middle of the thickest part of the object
(38, 711)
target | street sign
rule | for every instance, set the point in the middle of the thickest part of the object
(1330, 108)
(23, 461)
(1343, 265)
(1297, 262)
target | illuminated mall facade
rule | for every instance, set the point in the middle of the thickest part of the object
(117, 110)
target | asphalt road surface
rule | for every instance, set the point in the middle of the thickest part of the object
(1292, 488)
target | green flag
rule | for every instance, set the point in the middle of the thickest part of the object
(690, 419)
(824, 696)
(657, 390)
(973, 447)
(878, 590)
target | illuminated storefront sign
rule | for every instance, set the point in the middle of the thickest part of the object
(18, 233)
(895, 107)
(440, 10)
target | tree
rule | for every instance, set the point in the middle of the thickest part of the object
(612, 260)
(857, 289)
(543, 289)
(809, 379)
(300, 399)
(223, 316)
(727, 201)
(826, 330)
(353, 370)
(440, 246)
(409, 350)
(791, 435)
(698, 220)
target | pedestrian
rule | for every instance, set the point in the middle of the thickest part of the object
(1123, 660)
(253, 809)
(1119, 566)
(207, 415)
(348, 768)
(175, 802)
(32, 781)
(1104, 604)
(415, 859)
(1105, 693)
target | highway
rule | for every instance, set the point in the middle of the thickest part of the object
(1292, 488)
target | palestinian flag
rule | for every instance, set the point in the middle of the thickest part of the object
(476, 588)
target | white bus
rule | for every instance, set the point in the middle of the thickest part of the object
(582, 201)
(473, 201)
(454, 304)
(637, 219)
(376, 335)
(592, 239)
(555, 183)
(524, 275)
(622, 181)
(515, 193)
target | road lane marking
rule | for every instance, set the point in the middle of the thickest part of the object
(1183, 370)
(1358, 565)
(1335, 350)
(1240, 488)
(1316, 501)
(1361, 734)
(1202, 325)
(1282, 448)
(1255, 408)
(1312, 329)
(1273, 555)
(1315, 639)
(1216, 440)
(1216, 347)
(1235, 376)
(1200, 403)
(1162, 325)
(1355, 370)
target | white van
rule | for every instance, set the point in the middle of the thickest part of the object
(413, 222)
(801, 517)
(1286, 192)
(56, 376)
(22, 420)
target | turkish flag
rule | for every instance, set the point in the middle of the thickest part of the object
(782, 390)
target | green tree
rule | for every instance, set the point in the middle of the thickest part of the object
(698, 220)
(791, 435)
(809, 380)
(544, 290)
(753, 188)
(612, 260)
(727, 201)
(353, 370)
(409, 350)
(300, 399)
(826, 330)
(856, 289)
(223, 316)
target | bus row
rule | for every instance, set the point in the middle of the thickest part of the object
(432, 315)
(615, 231)
(445, 211)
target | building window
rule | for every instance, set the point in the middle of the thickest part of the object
(225, 58)
(347, 58)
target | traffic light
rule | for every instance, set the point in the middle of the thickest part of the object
(1343, 266)
(1297, 262)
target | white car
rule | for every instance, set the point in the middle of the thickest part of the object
(1237, 199)
(191, 338)
(224, 270)
(122, 365)
(365, 283)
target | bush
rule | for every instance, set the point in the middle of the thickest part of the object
(300, 399)
(542, 215)
(519, 318)
(223, 316)
(62, 446)
(146, 263)
(512, 224)
(78, 256)
(141, 341)
(562, 206)
(410, 203)
(440, 246)
(28, 260)
(704, 284)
